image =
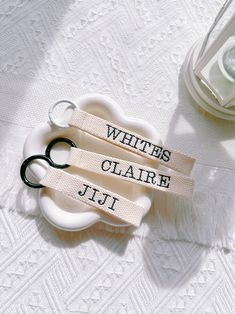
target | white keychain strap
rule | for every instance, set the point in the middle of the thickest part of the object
(82, 190)
(131, 141)
(130, 171)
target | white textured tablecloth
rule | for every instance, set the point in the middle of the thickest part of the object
(132, 51)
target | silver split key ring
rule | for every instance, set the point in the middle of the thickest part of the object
(53, 120)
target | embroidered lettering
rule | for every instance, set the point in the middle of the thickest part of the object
(113, 132)
(166, 155)
(94, 195)
(145, 146)
(105, 166)
(128, 139)
(135, 173)
(164, 181)
(151, 177)
(113, 203)
(129, 173)
(82, 193)
(156, 152)
(115, 168)
(102, 202)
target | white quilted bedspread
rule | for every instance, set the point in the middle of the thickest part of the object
(182, 259)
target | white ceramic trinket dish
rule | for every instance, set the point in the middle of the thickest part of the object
(60, 210)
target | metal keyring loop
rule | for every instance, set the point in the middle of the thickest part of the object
(52, 108)
(25, 165)
(52, 144)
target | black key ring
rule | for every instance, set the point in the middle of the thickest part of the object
(25, 165)
(52, 144)
(46, 157)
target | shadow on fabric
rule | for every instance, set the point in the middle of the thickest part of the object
(208, 220)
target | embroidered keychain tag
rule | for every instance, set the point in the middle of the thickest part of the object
(131, 141)
(82, 190)
(108, 202)
(130, 171)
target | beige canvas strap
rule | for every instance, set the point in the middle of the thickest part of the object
(82, 190)
(131, 141)
(130, 171)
